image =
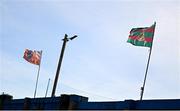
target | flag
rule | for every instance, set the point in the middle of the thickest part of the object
(33, 57)
(142, 36)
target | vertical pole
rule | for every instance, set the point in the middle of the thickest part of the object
(47, 88)
(142, 88)
(59, 65)
(144, 83)
(37, 76)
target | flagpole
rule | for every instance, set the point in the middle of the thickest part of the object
(147, 66)
(47, 88)
(38, 75)
(142, 88)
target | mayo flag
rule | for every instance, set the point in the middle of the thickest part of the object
(142, 36)
(33, 57)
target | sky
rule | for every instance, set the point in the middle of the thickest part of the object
(99, 63)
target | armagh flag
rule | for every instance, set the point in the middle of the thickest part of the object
(33, 57)
(142, 36)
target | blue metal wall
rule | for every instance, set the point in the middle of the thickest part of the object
(168, 104)
(80, 102)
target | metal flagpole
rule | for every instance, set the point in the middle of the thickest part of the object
(144, 83)
(38, 75)
(47, 88)
(142, 88)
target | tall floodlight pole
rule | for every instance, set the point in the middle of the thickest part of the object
(65, 40)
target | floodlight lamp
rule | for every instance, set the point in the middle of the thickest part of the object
(73, 37)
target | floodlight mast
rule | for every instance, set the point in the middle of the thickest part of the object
(65, 40)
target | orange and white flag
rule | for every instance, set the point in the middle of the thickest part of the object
(33, 57)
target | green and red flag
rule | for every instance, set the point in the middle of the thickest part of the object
(142, 36)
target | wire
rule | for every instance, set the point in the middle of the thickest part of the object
(87, 92)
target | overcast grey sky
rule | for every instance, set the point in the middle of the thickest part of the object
(99, 64)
